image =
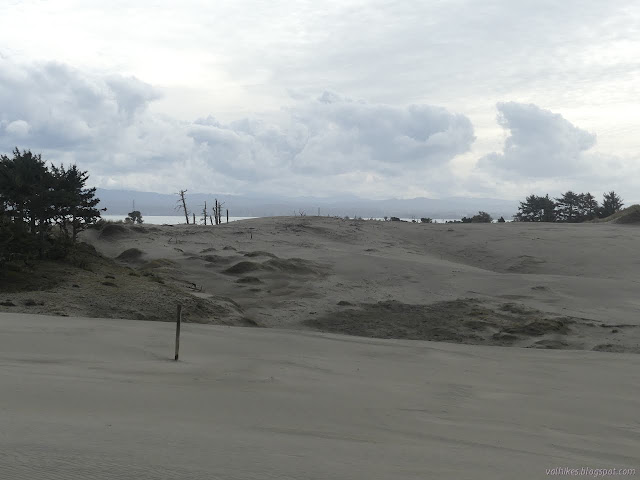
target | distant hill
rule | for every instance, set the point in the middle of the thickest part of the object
(120, 202)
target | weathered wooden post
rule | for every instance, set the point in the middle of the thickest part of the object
(178, 322)
(227, 215)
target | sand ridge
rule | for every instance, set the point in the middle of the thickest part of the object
(516, 284)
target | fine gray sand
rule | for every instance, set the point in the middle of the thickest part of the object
(421, 386)
(552, 286)
(100, 399)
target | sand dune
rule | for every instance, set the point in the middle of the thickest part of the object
(525, 285)
(543, 286)
(100, 399)
(87, 398)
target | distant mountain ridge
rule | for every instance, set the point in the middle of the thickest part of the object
(121, 202)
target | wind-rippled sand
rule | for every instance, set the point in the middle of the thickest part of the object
(102, 399)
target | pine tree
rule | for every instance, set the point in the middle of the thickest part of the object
(76, 206)
(611, 203)
(568, 207)
(536, 209)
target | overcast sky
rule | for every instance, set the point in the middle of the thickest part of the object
(498, 98)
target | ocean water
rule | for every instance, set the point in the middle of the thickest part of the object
(167, 219)
(179, 219)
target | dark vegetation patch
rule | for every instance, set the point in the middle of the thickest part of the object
(609, 347)
(465, 320)
(244, 267)
(158, 263)
(131, 255)
(217, 259)
(551, 344)
(248, 322)
(249, 280)
(541, 326)
(297, 266)
(94, 292)
(41, 275)
(260, 253)
(632, 216)
(111, 231)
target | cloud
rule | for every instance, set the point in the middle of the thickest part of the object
(545, 153)
(540, 144)
(331, 135)
(18, 128)
(103, 123)
(52, 106)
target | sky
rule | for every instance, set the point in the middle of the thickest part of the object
(379, 99)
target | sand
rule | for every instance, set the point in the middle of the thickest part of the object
(100, 399)
(552, 286)
(444, 390)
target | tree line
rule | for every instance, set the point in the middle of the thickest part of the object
(43, 207)
(569, 207)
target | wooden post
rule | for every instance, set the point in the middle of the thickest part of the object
(178, 322)
(227, 215)
(194, 218)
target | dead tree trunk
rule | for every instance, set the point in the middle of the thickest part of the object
(184, 205)
(204, 212)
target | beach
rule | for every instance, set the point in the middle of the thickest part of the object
(102, 399)
(317, 347)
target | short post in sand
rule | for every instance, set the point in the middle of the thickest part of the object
(227, 215)
(178, 322)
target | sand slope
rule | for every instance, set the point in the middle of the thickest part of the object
(524, 285)
(502, 284)
(100, 399)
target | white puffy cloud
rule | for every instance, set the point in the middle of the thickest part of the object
(62, 108)
(545, 153)
(540, 143)
(331, 135)
(103, 123)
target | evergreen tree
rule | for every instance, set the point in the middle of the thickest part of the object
(26, 190)
(481, 217)
(75, 204)
(611, 203)
(134, 217)
(568, 207)
(34, 197)
(536, 209)
(588, 206)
